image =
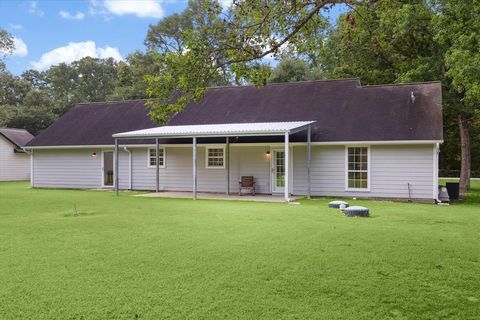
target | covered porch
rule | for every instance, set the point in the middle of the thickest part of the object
(227, 133)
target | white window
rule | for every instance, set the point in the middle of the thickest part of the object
(215, 157)
(152, 157)
(357, 177)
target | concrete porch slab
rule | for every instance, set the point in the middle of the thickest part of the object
(217, 196)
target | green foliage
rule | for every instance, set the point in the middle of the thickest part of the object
(6, 44)
(395, 41)
(291, 69)
(458, 32)
(224, 45)
(384, 42)
(35, 99)
(131, 74)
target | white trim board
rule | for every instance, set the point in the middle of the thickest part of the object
(369, 171)
(164, 157)
(214, 146)
(233, 144)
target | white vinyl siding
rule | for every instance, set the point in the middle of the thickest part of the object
(67, 168)
(177, 175)
(13, 165)
(393, 168)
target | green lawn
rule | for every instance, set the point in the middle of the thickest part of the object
(128, 257)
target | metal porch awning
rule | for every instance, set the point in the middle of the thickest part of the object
(218, 130)
(221, 130)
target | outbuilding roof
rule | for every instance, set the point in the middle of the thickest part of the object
(18, 137)
(343, 110)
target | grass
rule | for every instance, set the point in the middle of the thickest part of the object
(67, 254)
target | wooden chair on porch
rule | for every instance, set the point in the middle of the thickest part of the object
(247, 183)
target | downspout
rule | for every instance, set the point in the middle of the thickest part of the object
(129, 167)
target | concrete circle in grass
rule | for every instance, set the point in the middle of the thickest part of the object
(336, 204)
(356, 211)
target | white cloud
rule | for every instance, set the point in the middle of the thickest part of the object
(140, 8)
(15, 26)
(20, 49)
(70, 16)
(34, 9)
(75, 51)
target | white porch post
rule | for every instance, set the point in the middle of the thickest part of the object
(115, 171)
(194, 168)
(227, 163)
(157, 166)
(309, 159)
(287, 193)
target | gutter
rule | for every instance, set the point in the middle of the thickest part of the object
(129, 167)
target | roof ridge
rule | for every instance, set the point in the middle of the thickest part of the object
(399, 84)
(108, 102)
(285, 83)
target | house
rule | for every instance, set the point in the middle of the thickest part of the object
(14, 162)
(315, 138)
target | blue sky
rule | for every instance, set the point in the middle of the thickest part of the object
(49, 32)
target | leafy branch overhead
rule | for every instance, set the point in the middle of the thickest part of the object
(218, 46)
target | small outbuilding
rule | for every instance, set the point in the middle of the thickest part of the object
(14, 161)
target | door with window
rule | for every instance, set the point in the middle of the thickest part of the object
(107, 165)
(278, 170)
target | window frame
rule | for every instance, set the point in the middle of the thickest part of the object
(164, 157)
(207, 148)
(369, 163)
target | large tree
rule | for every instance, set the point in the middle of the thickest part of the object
(458, 33)
(35, 99)
(229, 42)
(131, 73)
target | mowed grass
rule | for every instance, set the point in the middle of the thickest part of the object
(130, 257)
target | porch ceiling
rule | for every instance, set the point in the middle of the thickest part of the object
(219, 130)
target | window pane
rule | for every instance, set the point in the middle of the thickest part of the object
(215, 157)
(357, 167)
(153, 157)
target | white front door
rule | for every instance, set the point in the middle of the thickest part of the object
(278, 170)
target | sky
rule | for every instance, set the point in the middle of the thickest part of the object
(48, 32)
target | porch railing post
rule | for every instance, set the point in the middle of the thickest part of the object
(116, 166)
(309, 160)
(157, 166)
(227, 163)
(286, 163)
(194, 168)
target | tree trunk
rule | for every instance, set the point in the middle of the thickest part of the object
(466, 156)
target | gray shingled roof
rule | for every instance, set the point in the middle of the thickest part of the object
(18, 137)
(343, 110)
